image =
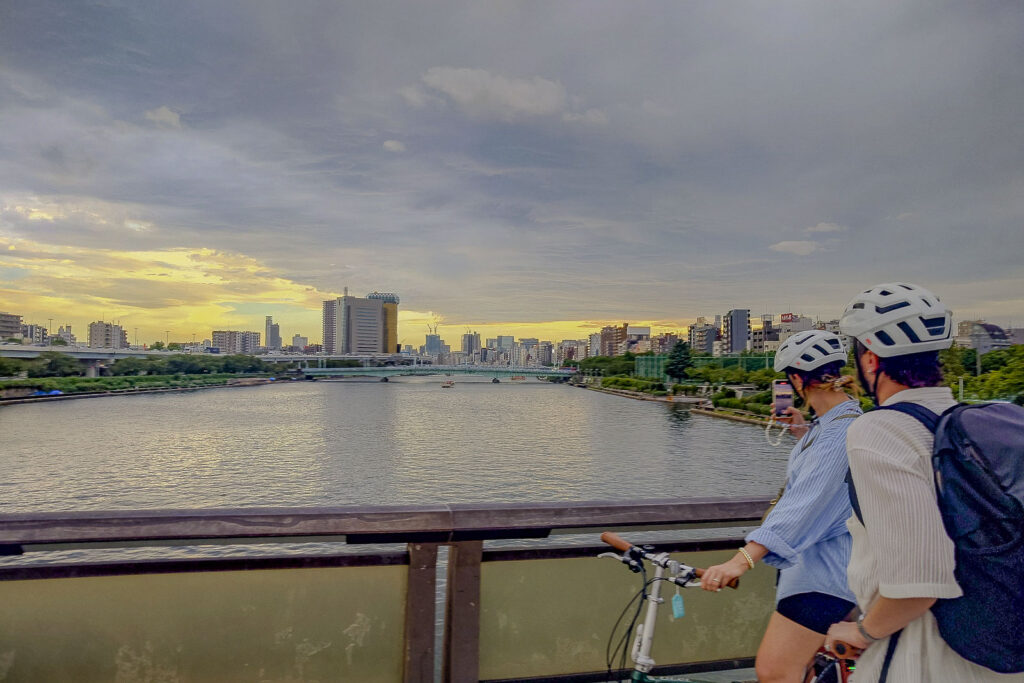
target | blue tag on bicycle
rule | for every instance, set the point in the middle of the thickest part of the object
(678, 611)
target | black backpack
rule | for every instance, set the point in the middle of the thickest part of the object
(978, 459)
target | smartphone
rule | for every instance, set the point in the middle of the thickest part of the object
(782, 396)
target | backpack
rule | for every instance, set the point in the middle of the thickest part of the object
(978, 460)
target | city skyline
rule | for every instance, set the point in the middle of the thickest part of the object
(196, 167)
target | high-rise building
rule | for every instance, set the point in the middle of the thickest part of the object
(355, 325)
(594, 345)
(471, 343)
(360, 325)
(300, 342)
(545, 353)
(233, 341)
(702, 335)
(433, 345)
(613, 339)
(389, 304)
(506, 342)
(104, 335)
(330, 317)
(10, 326)
(736, 330)
(273, 334)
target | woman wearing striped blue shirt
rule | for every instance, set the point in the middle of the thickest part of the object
(805, 534)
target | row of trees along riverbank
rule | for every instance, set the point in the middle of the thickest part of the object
(1001, 373)
(55, 371)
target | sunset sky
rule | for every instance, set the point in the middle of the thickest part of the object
(529, 168)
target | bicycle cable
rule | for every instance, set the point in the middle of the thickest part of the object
(626, 639)
(624, 642)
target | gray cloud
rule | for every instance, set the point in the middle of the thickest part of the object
(534, 161)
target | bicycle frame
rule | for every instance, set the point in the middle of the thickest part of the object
(665, 570)
(834, 669)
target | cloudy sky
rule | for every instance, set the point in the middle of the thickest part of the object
(529, 168)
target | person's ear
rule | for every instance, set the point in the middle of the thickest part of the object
(869, 362)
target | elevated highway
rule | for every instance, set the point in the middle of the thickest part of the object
(88, 353)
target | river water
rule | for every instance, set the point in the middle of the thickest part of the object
(407, 441)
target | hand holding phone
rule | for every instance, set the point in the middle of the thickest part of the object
(782, 396)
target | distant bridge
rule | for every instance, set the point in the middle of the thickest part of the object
(398, 370)
(89, 353)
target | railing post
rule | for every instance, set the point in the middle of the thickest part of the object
(462, 613)
(420, 604)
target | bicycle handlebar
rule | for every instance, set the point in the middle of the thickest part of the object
(845, 650)
(619, 543)
(616, 541)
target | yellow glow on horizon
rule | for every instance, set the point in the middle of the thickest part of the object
(412, 328)
(185, 291)
(192, 291)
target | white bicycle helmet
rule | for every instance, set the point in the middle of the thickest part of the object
(809, 350)
(897, 318)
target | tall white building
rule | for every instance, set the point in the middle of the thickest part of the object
(103, 335)
(300, 342)
(361, 325)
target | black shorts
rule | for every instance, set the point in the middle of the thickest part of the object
(816, 611)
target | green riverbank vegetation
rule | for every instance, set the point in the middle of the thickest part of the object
(55, 371)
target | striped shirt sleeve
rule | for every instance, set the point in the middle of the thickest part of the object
(815, 505)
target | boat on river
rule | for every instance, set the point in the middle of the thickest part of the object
(448, 384)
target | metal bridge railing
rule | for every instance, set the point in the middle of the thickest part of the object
(526, 611)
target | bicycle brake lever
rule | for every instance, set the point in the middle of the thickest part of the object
(614, 556)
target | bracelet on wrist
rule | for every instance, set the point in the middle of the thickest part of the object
(747, 557)
(863, 632)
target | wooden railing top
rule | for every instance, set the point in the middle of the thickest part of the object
(449, 522)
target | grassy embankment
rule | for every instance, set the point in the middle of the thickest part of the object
(85, 385)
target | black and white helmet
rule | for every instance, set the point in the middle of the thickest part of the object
(897, 318)
(809, 350)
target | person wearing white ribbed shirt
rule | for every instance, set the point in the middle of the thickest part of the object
(902, 559)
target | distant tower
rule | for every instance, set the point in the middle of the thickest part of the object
(389, 302)
(330, 324)
(273, 334)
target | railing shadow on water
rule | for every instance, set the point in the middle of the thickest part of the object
(507, 601)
